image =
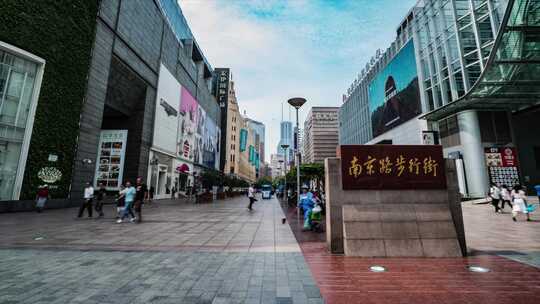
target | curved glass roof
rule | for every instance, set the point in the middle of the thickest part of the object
(511, 79)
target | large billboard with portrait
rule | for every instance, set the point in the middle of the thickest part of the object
(394, 96)
(188, 119)
(167, 108)
(211, 145)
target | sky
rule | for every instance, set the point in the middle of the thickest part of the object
(279, 49)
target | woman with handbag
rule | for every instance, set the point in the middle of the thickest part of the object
(519, 203)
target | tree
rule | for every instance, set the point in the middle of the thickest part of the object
(308, 173)
(263, 181)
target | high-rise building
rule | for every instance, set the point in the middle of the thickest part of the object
(286, 138)
(320, 138)
(277, 165)
(259, 131)
(460, 74)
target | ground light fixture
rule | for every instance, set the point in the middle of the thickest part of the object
(478, 269)
(377, 268)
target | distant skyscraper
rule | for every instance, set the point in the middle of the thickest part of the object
(286, 131)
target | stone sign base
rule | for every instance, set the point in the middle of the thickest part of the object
(393, 223)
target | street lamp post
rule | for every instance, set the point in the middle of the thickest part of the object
(297, 103)
(285, 147)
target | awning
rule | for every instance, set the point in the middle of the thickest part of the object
(511, 79)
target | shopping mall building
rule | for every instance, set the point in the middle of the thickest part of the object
(101, 92)
(464, 74)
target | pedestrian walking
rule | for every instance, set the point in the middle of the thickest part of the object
(42, 197)
(151, 194)
(140, 197)
(251, 196)
(173, 191)
(101, 193)
(129, 194)
(519, 203)
(495, 194)
(120, 203)
(88, 197)
(506, 198)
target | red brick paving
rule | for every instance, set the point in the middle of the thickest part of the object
(347, 280)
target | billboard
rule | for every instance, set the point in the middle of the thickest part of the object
(211, 145)
(243, 139)
(394, 96)
(167, 107)
(199, 136)
(189, 109)
(502, 165)
(111, 156)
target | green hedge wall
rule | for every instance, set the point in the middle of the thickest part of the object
(62, 33)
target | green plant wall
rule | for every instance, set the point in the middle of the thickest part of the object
(62, 33)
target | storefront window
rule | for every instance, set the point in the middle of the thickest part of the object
(17, 81)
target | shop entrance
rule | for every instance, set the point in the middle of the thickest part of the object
(124, 110)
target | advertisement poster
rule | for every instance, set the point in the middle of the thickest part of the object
(394, 96)
(111, 155)
(187, 126)
(243, 139)
(211, 145)
(199, 136)
(167, 108)
(502, 166)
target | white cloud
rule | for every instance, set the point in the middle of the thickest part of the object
(280, 49)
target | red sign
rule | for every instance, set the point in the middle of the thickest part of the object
(502, 166)
(501, 157)
(392, 167)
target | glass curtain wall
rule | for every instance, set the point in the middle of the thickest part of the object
(17, 80)
(455, 38)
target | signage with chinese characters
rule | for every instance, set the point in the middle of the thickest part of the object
(222, 87)
(502, 166)
(392, 167)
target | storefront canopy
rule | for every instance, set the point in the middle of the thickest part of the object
(511, 79)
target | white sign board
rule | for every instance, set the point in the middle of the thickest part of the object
(111, 156)
(167, 108)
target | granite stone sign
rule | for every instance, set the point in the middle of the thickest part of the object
(397, 167)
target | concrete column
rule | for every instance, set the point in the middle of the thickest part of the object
(473, 153)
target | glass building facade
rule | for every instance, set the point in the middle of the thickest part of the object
(478, 82)
(19, 83)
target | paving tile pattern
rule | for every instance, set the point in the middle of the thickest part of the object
(345, 280)
(181, 253)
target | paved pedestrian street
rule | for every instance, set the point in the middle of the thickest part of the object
(181, 253)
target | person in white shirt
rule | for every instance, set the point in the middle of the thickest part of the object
(495, 194)
(506, 198)
(251, 196)
(520, 203)
(88, 197)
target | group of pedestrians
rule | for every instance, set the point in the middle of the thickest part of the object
(130, 198)
(516, 198)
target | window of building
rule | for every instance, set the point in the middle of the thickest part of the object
(19, 81)
(494, 127)
(449, 132)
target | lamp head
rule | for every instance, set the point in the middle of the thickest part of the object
(284, 146)
(297, 102)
